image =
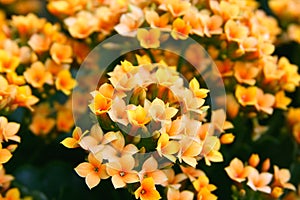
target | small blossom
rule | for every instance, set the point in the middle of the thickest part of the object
(65, 82)
(174, 194)
(236, 170)
(37, 75)
(180, 29)
(281, 178)
(147, 190)
(41, 125)
(73, 142)
(246, 96)
(61, 53)
(8, 130)
(260, 181)
(93, 171)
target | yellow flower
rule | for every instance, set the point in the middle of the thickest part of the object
(5, 155)
(180, 29)
(148, 39)
(282, 101)
(93, 171)
(37, 75)
(195, 87)
(65, 82)
(24, 97)
(12, 194)
(100, 103)
(8, 130)
(203, 182)
(246, 96)
(138, 116)
(73, 142)
(167, 148)
(147, 190)
(8, 62)
(227, 138)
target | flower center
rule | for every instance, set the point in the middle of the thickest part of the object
(122, 173)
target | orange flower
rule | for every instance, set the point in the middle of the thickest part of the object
(28, 24)
(8, 130)
(41, 125)
(232, 106)
(61, 53)
(149, 169)
(180, 29)
(73, 142)
(176, 7)
(65, 82)
(65, 120)
(235, 31)
(12, 194)
(281, 178)
(296, 132)
(147, 190)
(293, 116)
(5, 155)
(205, 194)
(203, 182)
(174, 194)
(37, 75)
(148, 39)
(157, 21)
(236, 170)
(100, 104)
(14, 78)
(212, 24)
(264, 101)
(93, 171)
(245, 72)
(8, 62)
(226, 10)
(24, 97)
(39, 43)
(122, 171)
(54, 68)
(138, 116)
(246, 96)
(260, 181)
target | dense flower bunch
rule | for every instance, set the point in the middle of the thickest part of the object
(151, 132)
(152, 122)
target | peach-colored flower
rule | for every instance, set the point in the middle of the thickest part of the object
(41, 125)
(189, 150)
(5, 155)
(93, 171)
(173, 180)
(8, 130)
(260, 181)
(150, 169)
(232, 106)
(37, 75)
(147, 190)
(236, 170)
(225, 67)
(246, 96)
(54, 68)
(226, 10)
(281, 178)
(73, 142)
(191, 172)
(39, 43)
(122, 171)
(65, 82)
(264, 102)
(174, 194)
(167, 148)
(210, 150)
(130, 22)
(61, 53)
(235, 31)
(212, 25)
(82, 25)
(5, 179)
(180, 29)
(245, 72)
(8, 62)
(28, 24)
(148, 39)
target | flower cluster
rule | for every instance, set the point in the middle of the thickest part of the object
(152, 122)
